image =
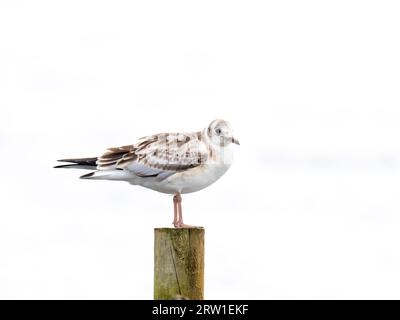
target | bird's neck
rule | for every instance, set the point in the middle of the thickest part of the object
(216, 152)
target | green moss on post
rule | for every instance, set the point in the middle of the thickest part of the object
(178, 263)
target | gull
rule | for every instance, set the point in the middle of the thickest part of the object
(172, 163)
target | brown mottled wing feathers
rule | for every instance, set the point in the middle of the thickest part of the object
(158, 155)
(113, 156)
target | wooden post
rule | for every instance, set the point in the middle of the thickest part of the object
(178, 263)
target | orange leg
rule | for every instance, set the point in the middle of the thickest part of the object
(176, 213)
(178, 219)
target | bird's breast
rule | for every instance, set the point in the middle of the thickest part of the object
(201, 176)
(197, 178)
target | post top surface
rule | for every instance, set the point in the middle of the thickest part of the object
(171, 228)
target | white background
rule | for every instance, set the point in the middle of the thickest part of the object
(310, 207)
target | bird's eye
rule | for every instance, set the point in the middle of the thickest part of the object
(218, 131)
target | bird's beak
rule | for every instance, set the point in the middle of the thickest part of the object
(236, 141)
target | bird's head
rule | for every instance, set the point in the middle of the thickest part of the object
(220, 133)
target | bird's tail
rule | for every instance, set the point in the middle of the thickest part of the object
(80, 163)
(118, 175)
(91, 164)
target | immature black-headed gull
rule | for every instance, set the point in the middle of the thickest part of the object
(173, 163)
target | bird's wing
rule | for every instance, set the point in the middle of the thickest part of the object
(159, 155)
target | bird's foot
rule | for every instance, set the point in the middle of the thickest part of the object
(182, 225)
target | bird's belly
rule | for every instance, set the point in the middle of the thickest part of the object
(197, 178)
(190, 180)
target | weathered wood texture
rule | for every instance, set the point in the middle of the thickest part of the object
(178, 263)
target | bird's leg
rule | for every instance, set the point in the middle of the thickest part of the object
(179, 205)
(180, 217)
(175, 222)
